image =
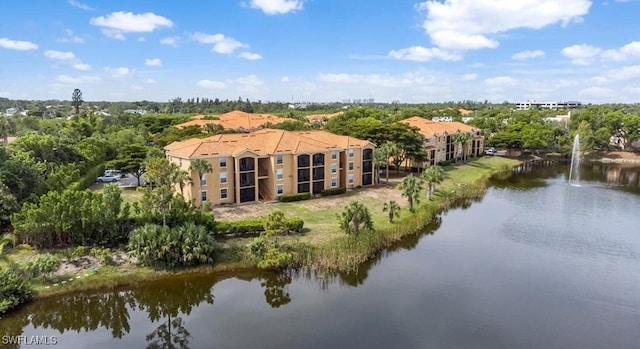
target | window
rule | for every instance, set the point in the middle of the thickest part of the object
(367, 154)
(303, 161)
(280, 189)
(318, 187)
(247, 164)
(223, 193)
(318, 159)
(304, 175)
(279, 159)
(351, 152)
(203, 179)
(303, 188)
(334, 182)
(280, 174)
(223, 177)
(350, 179)
(334, 154)
(247, 179)
(351, 166)
(223, 162)
(334, 168)
(318, 173)
(203, 196)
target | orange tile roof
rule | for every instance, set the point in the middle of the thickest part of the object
(430, 128)
(236, 120)
(263, 142)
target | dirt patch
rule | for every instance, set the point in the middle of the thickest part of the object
(378, 194)
(614, 156)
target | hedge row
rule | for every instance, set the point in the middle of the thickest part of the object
(333, 191)
(295, 197)
(90, 177)
(252, 227)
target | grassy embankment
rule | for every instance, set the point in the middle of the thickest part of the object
(323, 245)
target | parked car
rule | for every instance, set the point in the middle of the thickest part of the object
(109, 178)
(491, 151)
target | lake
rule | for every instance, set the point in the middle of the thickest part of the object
(535, 263)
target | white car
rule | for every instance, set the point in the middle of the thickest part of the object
(108, 178)
(491, 151)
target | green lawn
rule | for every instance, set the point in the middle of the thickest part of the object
(128, 194)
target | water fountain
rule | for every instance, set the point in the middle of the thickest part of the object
(574, 170)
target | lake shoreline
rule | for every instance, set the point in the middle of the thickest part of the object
(335, 255)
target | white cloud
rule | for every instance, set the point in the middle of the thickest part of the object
(150, 81)
(65, 79)
(340, 78)
(469, 77)
(71, 37)
(619, 74)
(250, 56)
(141, 39)
(524, 55)
(245, 83)
(170, 41)
(423, 54)
(474, 24)
(500, 82)
(153, 62)
(117, 73)
(221, 44)
(79, 5)
(284, 79)
(81, 66)
(59, 55)
(116, 24)
(211, 84)
(277, 7)
(17, 45)
(67, 58)
(581, 54)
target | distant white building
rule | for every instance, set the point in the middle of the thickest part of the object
(547, 105)
(11, 111)
(136, 111)
(442, 118)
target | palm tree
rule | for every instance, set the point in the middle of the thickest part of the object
(388, 148)
(182, 178)
(411, 187)
(10, 239)
(463, 138)
(432, 175)
(355, 218)
(379, 158)
(392, 208)
(201, 166)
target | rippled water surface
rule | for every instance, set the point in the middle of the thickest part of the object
(536, 264)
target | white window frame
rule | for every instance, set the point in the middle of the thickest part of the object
(226, 193)
(203, 179)
(352, 152)
(334, 168)
(334, 154)
(203, 193)
(223, 177)
(351, 165)
(280, 189)
(279, 159)
(351, 179)
(334, 182)
(225, 162)
(279, 174)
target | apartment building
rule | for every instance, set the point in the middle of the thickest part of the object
(547, 105)
(266, 164)
(440, 140)
(235, 120)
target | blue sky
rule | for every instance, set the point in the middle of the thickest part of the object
(322, 50)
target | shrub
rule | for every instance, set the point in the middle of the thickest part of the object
(295, 197)
(186, 245)
(42, 264)
(275, 223)
(14, 290)
(240, 228)
(333, 191)
(275, 259)
(444, 163)
(295, 225)
(252, 227)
